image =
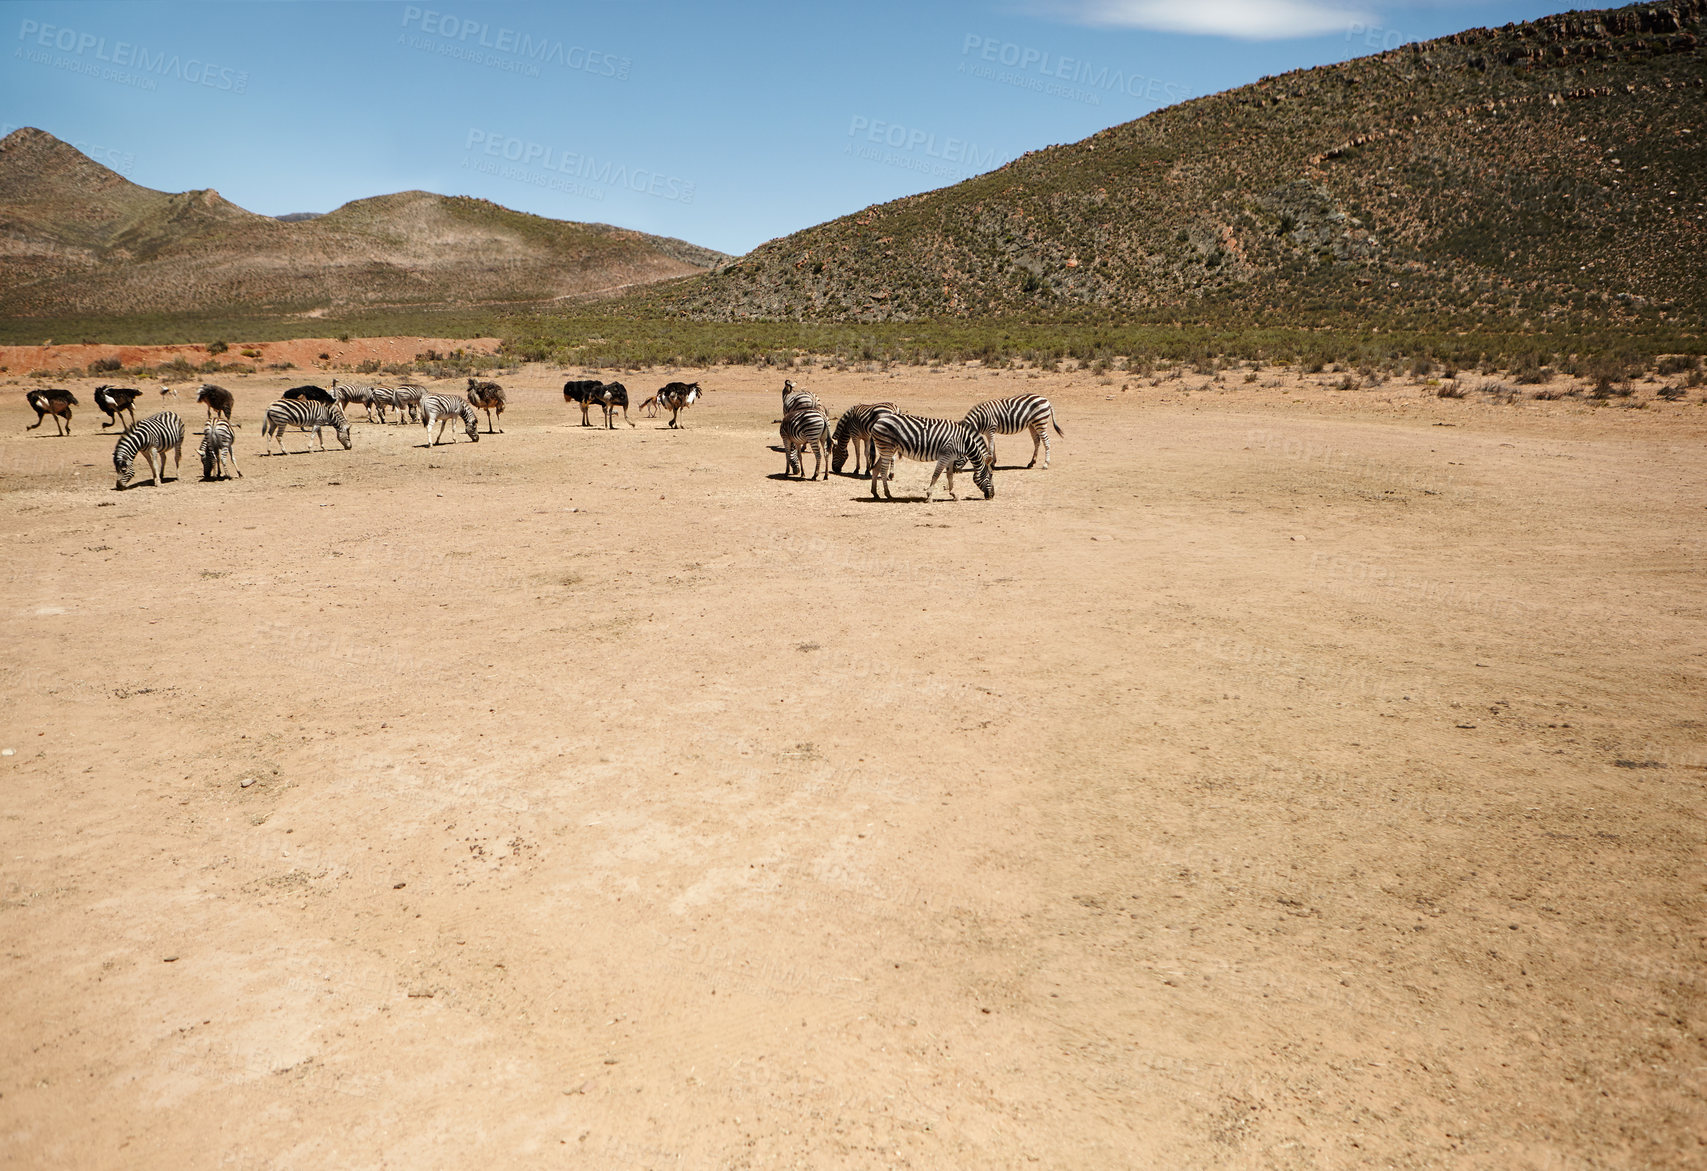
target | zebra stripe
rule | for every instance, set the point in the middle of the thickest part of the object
(153, 437)
(792, 397)
(1010, 416)
(408, 398)
(385, 397)
(441, 409)
(806, 426)
(946, 442)
(854, 427)
(216, 450)
(305, 415)
(346, 393)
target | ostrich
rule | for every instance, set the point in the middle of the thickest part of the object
(52, 401)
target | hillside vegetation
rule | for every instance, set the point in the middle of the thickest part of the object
(78, 240)
(1549, 175)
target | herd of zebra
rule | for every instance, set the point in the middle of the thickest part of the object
(304, 408)
(883, 433)
(877, 434)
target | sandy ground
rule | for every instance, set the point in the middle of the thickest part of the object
(1286, 778)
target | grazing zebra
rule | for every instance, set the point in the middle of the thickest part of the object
(947, 442)
(317, 394)
(854, 429)
(408, 398)
(343, 394)
(219, 401)
(153, 437)
(488, 397)
(117, 401)
(676, 398)
(216, 450)
(1010, 416)
(441, 409)
(306, 415)
(55, 402)
(806, 426)
(586, 392)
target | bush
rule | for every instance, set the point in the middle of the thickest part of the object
(217, 347)
(1528, 370)
(105, 365)
(1610, 375)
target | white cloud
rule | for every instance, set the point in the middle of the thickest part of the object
(1251, 20)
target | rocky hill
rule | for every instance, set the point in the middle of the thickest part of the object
(1544, 170)
(78, 239)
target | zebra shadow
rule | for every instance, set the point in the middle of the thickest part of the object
(898, 499)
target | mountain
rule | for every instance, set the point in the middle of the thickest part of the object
(77, 238)
(1553, 169)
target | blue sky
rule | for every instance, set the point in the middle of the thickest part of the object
(723, 124)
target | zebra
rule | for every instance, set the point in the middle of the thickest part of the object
(55, 402)
(343, 394)
(854, 429)
(488, 397)
(116, 402)
(154, 436)
(441, 409)
(408, 398)
(806, 426)
(384, 397)
(1010, 416)
(947, 442)
(676, 398)
(306, 415)
(216, 450)
(793, 397)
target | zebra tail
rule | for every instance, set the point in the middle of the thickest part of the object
(1056, 423)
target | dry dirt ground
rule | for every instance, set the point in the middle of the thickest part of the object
(56, 361)
(1286, 778)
